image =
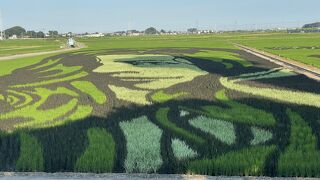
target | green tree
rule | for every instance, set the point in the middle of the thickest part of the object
(151, 30)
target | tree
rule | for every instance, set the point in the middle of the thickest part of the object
(312, 25)
(40, 34)
(151, 30)
(32, 34)
(53, 33)
(162, 31)
(17, 30)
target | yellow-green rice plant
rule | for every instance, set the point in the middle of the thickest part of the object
(90, 89)
(295, 97)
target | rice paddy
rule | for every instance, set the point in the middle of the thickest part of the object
(159, 105)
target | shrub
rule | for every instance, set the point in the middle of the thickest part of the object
(143, 145)
(222, 130)
(100, 154)
(31, 154)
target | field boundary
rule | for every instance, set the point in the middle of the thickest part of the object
(5, 58)
(309, 71)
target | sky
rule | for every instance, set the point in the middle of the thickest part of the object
(114, 15)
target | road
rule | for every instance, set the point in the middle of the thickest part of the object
(5, 58)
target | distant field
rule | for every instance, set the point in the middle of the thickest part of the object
(14, 47)
(304, 48)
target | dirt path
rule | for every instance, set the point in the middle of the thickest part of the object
(5, 58)
(309, 71)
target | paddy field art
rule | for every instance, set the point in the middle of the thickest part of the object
(193, 104)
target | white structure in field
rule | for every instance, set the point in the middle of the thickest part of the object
(94, 35)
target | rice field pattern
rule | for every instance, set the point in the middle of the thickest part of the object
(198, 111)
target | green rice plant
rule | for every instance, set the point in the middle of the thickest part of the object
(181, 150)
(260, 136)
(31, 154)
(130, 95)
(222, 130)
(245, 162)
(90, 89)
(161, 96)
(162, 70)
(40, 117)
(100, 154)
(52, 81)
(295, 97)
(143, 145)
(162, 117)
(62, 70)
(184, 113)
(237, 112)
(302, 156)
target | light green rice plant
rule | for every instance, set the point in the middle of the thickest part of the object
(184, 113)
(100, 153)
(162, 117)
(260, 136)
(143, 145)
(181, 150)
(222, 130)
(27, 99)
(31, 154)
(90, 89)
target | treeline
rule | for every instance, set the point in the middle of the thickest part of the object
(20, 32)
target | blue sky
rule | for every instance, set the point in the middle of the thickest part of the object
(113, 15)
